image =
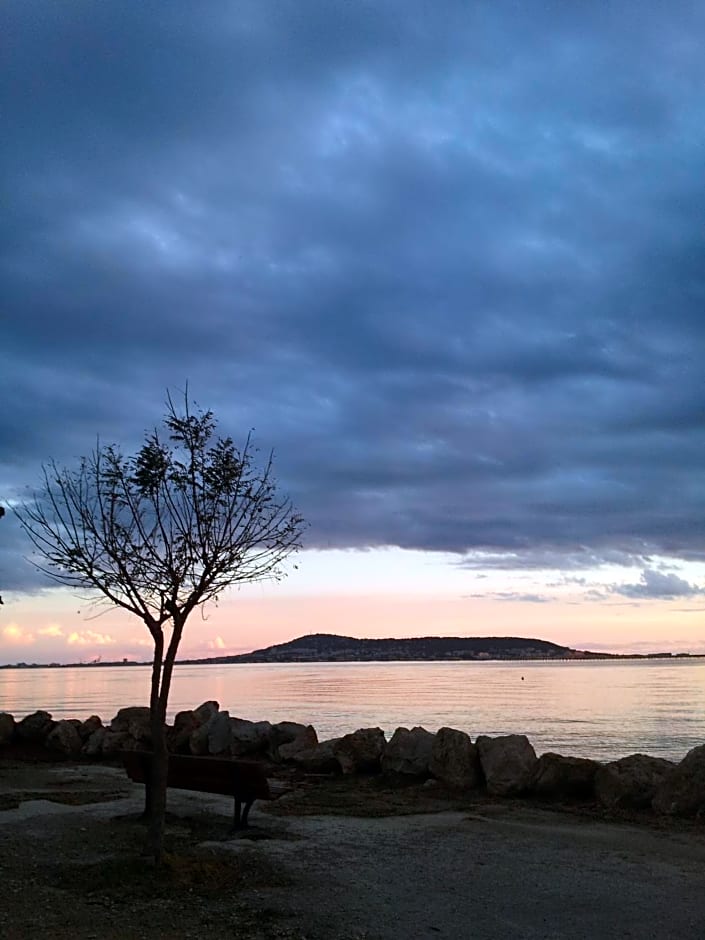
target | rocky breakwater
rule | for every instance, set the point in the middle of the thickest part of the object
(503, 766)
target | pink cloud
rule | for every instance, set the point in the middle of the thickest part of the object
(89, 638)
(17, 635)
(52, 630)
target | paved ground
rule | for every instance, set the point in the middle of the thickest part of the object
(498, 872)
(513, 875)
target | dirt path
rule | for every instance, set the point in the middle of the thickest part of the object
(508, 875)
(490, 871)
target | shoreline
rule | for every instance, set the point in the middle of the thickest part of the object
(247, 660)
(504, 766)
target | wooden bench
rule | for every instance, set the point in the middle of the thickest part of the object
(244, 780)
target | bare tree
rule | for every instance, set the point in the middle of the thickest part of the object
(159, 533)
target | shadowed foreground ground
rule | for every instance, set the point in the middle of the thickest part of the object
(475, 868)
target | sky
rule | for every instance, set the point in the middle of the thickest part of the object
(447, 259)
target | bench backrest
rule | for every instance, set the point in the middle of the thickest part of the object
(243, 779)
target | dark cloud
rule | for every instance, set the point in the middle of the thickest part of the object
(448, 261)
(17, 573)
(576, 558)
(658, 584)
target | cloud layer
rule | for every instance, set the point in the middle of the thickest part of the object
(659, 585)
(447, 260)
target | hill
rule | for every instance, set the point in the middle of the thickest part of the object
(329, 647)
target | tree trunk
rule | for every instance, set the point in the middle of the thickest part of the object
(155, 807)
(161, 682)
(157, 796)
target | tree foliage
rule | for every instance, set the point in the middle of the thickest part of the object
(166, 529)
(161, 532)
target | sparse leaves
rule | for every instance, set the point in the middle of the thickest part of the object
(167, 529)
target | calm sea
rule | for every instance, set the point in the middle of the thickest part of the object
(591, 709)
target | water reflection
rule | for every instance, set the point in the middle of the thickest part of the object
(601, 710)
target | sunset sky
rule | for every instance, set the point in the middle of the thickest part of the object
(447, 259)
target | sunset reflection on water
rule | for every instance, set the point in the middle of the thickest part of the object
(594, 709)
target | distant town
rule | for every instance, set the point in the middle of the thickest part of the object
(329, 647)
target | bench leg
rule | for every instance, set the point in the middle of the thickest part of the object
(146, 767)
(245, 813)
(147, 814)
(241, 813)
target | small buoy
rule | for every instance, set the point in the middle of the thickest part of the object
(522, 678)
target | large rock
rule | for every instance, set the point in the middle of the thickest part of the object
(631, 782)
(320, 759)
(361, 751)
(206, 711)
(134, 721)
(198, 738)
(219, 733)
(306, 741)
(64, 739)
(7, 728)
(564, 778)
(284, 732)
(88, 727)
(34, 728)
(113, 742)
(249, 737)
(94, 745)
(508, 763)
(408, 752)
(178, 737)
(185, 723)
(455, 760)
(682, 790)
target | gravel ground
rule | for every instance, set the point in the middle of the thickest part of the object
(71, 865)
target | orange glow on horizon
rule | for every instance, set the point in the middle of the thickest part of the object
(243, 623)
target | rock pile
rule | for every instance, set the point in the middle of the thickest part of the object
(506, 766)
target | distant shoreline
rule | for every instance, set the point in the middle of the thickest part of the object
(334, 648)
(246, 659)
